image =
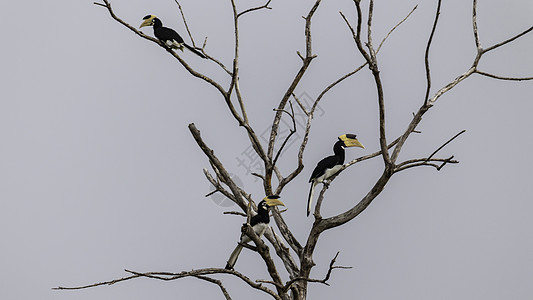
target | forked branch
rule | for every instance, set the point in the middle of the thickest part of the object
(264, 6)
(224, 175)
(169, 276)
(332, 267)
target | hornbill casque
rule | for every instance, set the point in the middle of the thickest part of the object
(259, 224)
(330, 165)
(167, 36)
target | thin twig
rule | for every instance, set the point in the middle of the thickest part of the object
(508, 40)
(502, 77)
(426, 55)
(323, 281)
(237, 213)
(185, 23)
(217, 185)
(300, 104)
(425, 162)
(265, 6)
(396, 26)
(443, 145)
(211, 193)
(110, 282)
(292, 131)
(217, 282)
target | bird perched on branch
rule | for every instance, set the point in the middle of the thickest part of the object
(259, 224)
(330, 165)
(167, 36)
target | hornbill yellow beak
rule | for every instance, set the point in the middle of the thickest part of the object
(147, 21)
(350, 140)
(273, 201)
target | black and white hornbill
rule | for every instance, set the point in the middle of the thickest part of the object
(331, 164)
(167, 36)
(259, 224)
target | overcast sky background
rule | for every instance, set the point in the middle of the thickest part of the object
(99, 172)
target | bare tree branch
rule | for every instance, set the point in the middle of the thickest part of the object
(237, 213)
(502, 77)
(302, 107)
(168, 276)
(508, 40)
(282, 252)
(369, 29)
(318, 206)
(425, 162)
(426, 56)
(264, 6)
(218, 187)
(323, 281)
(292, 131)
(185, 23)
(444, 145)
(110, 282)
(474, 28)
(396, 26)
(371, 59)
(262, 249)
(217, 282)
(226, 178)
(286, 232)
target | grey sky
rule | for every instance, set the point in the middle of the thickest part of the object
(99, 172)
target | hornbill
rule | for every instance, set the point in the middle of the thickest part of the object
(167, 36)
(330, 165)
(259, 224)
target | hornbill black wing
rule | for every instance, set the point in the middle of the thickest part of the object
(326, 163)
(167, 34)
(320, 169)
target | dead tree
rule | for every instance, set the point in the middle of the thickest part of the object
(290, 281)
